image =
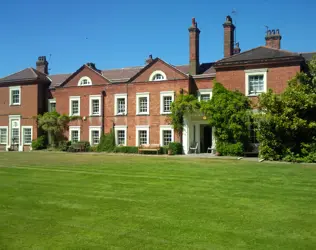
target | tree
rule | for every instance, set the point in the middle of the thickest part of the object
(54, 124)
(287, 121)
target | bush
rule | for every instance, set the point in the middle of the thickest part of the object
(64, 145)
(234, 149)
(164, 150)
(39, 143)
(83, 145)
(126, 149)
(94, 149)
(107, 143)
(176, 148)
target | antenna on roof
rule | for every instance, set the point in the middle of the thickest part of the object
(267, 27)
(49, 60)
(234, 13)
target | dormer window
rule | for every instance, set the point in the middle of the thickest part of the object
(158, 75)
(84, 81)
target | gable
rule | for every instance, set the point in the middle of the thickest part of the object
(170, 72)
(85, 72)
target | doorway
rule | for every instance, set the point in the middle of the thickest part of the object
(205, 137)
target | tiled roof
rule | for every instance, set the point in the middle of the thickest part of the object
(259, 53)
(308, 56)
(28, 74)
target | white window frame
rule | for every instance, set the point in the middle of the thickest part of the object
(156, 72)
(142, 127)
(138, 96)
(85, 78)
(116, 97)
(119, 128)
(94, 128)
(7, 133)
(205, 92)
(162, 95)
(10, 92)
(74, 128)
(50, 101)
(254, 72)
(71, 99)
(166, 128)
(24, 127)
(91, 99)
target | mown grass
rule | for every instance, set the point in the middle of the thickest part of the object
(96, 201)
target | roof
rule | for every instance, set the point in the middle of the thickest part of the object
(258, 53)
(28, 74)
(308, 56)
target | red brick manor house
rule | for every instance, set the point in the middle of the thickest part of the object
(136, 101)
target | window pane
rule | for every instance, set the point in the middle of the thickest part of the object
(142, 104)
(142, 135)
(121, 105)
(95, 137)
(75, 107)
(74, 135)
(167, 137)
(15, 96)
(121, 137)
(158, 77)
(167, 100)
(15, 137)
(205, 97)
(256, 84)
(3, 135)
(95, 107)
(27, 135)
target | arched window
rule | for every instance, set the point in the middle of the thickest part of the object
(84, 81)
(158, 75)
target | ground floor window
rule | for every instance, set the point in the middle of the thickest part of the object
(27, 135)
(142, 134)
(74, 134)
(253, 133)
(95, 134)
(121, 135)
(166, 135)
(3, 135)
(15, 136)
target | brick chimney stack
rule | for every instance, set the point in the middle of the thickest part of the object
(273, 39)
(149, 59)
(229, 29)
(42, 64)
(194, 48)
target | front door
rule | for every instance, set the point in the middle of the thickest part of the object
(206, 137)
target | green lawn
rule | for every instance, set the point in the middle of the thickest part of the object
(77, 201)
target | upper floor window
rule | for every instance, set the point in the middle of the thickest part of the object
(95, 105)
(204, 94)
(15, 95)
(142, 103)
(120, 104)
(256, 81)
(51, 105)
(158, 75)
(166, 99)
(84, 81)
(74, 105)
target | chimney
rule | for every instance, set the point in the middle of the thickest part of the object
(149, 59)
(236, 49)
(92, 66)
(194, 48)
(273, 39)
(229, 29)
(42, 65)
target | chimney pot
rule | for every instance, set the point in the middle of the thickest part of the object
(149, 59)
(273, 39)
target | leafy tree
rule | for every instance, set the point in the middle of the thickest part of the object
(229, 112)
(54, 124)
(287, 122)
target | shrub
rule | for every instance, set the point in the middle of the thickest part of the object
(107, 143)
(164, 150)
(64, 145)
(126, 149)
(39, 143)
(83, 145)
(94, 149)
(176, 148)
(225, 148)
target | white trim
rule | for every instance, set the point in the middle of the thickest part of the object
(155, 73)
(138, 96)
(71, 99)
(24, 127)
(15, 117)
(94, 128)
(251, 72)
(119, 96)
(85, 78)
(10, 95)
(205, 92)
(162, 95)
(166, 128)
(119, 128)
(142, 127)
(74, 128)
(91, 98)
(7, 139)
(50, 101)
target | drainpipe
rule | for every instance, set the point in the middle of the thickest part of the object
(102, 111)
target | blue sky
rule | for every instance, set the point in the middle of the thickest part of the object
(121, 33)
